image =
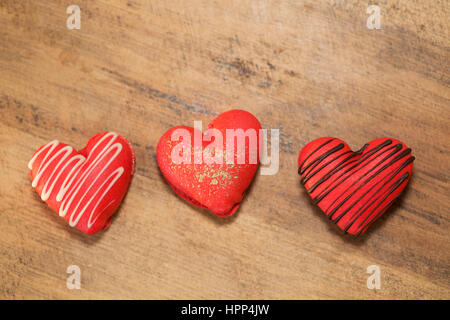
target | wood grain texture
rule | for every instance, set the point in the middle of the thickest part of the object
(309, 68)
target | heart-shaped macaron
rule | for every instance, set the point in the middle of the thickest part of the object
(87, 186)
(233, 139)
(355, 188)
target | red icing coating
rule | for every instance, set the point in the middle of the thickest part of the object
(216, 187)
(355, 188)
(95, 179)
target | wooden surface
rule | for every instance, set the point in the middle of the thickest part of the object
(308, 68)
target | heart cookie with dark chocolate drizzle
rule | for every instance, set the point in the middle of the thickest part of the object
(355, 188)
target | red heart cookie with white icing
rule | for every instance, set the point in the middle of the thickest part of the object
(355, 188)
(217, 186)
(87, 186)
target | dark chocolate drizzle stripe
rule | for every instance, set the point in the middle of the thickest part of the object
(363, 207)
(347, 166)
(378, 214)
(393, 187)
(401, 155)
(342, 165)
(307, 177)
(323, 156)
(318, 148)
(364, 163)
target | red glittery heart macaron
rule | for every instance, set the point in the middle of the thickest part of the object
(87, 186)
(217, 186)
(354, 188)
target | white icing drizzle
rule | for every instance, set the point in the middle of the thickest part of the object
(69, 190)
